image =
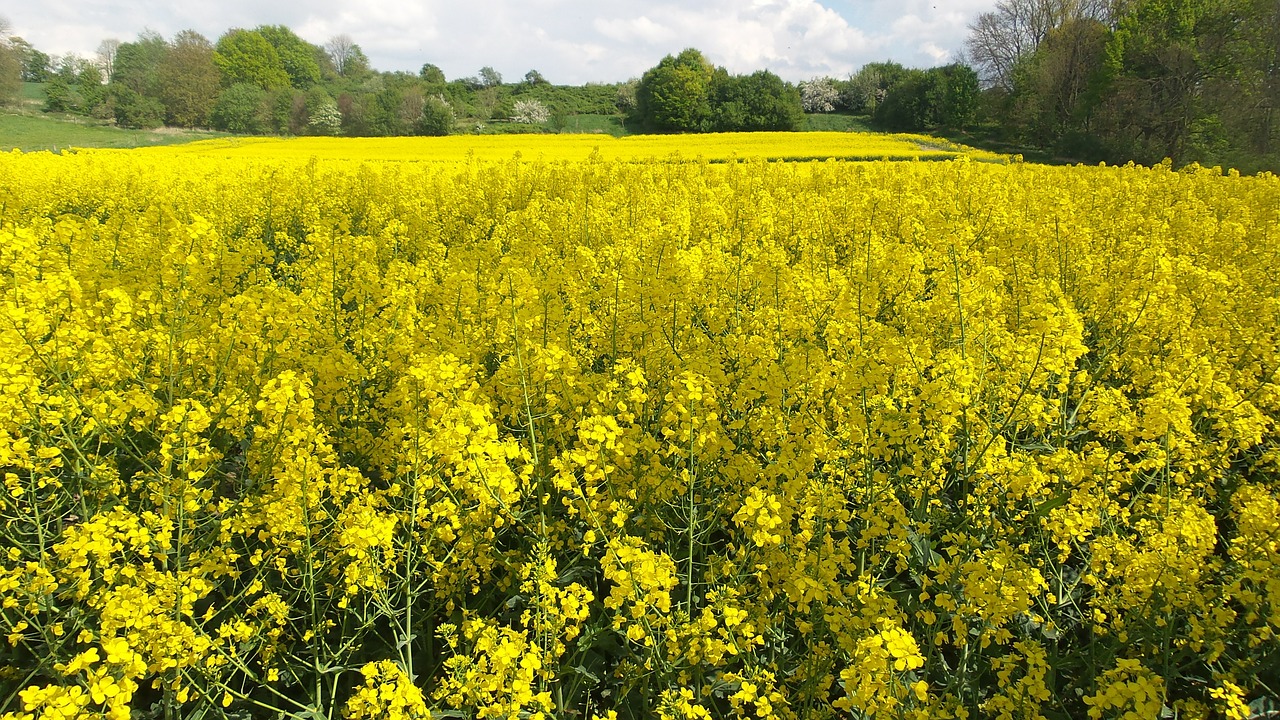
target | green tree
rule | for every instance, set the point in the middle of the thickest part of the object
(960, 93)
(137, 64)
(285, 111)
(357, 66)
(1159, 61)
(77, 88)
(347, 58)
(436, 119)
(189, 80)
(10, 66)
(1053, 89)
(296, 55)
(1195, 81)
(1251, 109)
(490, 77)
(431, 74)
(910, 104)
(868, 87)
(90, 85)
(923, 99)
(759, 101)
(356, 112)
(132, 109)
(245, 57)
(59, 97)
(241, 109)
(36, 66)
(675, 94)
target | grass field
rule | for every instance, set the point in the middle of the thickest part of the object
(837, 122)
(33, 133)
(596, 124)
(32, 92)
(573, 124)
(31, 130)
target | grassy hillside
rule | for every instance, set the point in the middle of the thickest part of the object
(32, 93)
(30, 133)
(837, 122)
(586, 123)
(28, 129)
(25, 127)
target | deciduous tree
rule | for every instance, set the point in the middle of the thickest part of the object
(341, 50)
(107, 50)
(241, 108)
(759, 101)
(134, 110)
(297, 56)
(490, 77)
(10, 64)
(674, 95)
(137, 64)
(189, 80)
(245, 57)
(870, 85)
(1051, 99)
(531, 112)
(431, 74)
(1015, 28)
(819, 95)
(437, 117)
(36, 66)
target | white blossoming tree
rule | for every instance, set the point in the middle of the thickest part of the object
(530, 111)
(818, 95)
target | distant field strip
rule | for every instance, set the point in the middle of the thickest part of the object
(717, 146)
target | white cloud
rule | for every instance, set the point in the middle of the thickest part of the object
(569, 41)
(630, 30)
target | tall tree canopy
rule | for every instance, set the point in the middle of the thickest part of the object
(1137, 80)
(297, 56)
(245, 57)
(759, 101)
(189, 80)
(999, 39)
(674, 95)
(686, 93)
(137, 64)
(10, 64)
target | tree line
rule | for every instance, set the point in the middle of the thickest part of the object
(1143, 80)
(270, 80)
(687, 93)
(1112, 80)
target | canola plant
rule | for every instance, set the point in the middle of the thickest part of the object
(713, 147)
(285, 436)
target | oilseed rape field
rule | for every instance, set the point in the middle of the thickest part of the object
(291, 433)
(714, 147)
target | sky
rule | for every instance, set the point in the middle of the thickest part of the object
(571, 42)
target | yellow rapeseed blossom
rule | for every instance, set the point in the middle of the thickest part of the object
(387, 693)
(643, 427)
